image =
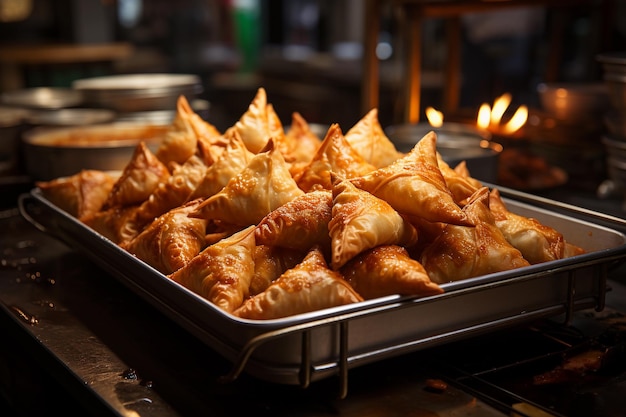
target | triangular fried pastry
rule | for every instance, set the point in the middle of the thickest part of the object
(299, 223)
(307, 287)
(462, 169)
(277, 133)
(181, 139)
(537, 242)
(230, 163)
(81, 194)
(203, 129)
(369, 140)
(253, 125)
(460, 186)
(302, 141)
(171, 240)
(427, 233)
(361, 221)
(414, 185)
(173, 192)
(188, 135)
(210, 150)
(115, 223)
(386, 270)
(222, 272)
(264, 185)
(334, 154)
(270, 262)
(217, 230)
(462, 252)
(140, 177)
(572, 250)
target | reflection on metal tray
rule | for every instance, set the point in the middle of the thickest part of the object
(308, 347)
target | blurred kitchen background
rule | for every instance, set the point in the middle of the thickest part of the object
(312, 56)
(308, 53)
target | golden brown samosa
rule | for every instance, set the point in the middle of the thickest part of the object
(387, 270)
(414, 185)
(361, 221)
(307, 287)
(222, 272)
(333, 155)
(140, 177)
(80, 195)
(171, 240)
(298, 224)
(369, 140)
(462, 252)
(264, 185)
(537, 242)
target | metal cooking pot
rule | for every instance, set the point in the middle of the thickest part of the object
(50, 153)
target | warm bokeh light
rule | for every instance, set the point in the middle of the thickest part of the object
(517, 121)
(500, 105)
(484, 116)
(491, 119)
(435, 117)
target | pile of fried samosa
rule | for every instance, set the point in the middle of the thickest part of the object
(267, 222)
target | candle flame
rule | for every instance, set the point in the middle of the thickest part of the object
(491, 118)
(500, 105)
(517, 121)
(484, 114)
(435, 117)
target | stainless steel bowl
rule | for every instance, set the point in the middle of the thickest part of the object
(70, 117)
(138, 92)
(53, 152)
(455, 142)
(43, 98)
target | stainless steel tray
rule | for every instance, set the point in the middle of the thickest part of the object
(309, 347)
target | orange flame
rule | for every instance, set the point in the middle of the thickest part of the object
(491, 118)
(435, 117)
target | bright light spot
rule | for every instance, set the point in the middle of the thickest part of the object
(500, 105)
(484, 115)
(517, 121)
(384, 50)
(435, 117)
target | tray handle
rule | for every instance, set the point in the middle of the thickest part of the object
(25, 203)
